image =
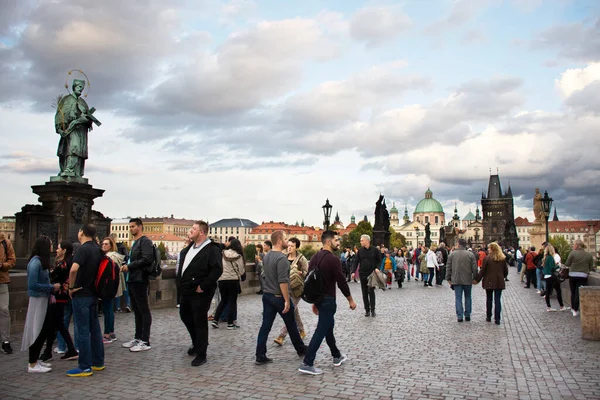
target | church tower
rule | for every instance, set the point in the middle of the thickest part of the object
(499, 215)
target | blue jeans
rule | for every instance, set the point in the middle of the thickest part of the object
(324, 330)
(87, 332)
(273, 305)
(67, 321)
(109, 316)
(458, 296)
(541, 282)
(519, 265)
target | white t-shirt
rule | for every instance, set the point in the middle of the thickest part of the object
(192, 252)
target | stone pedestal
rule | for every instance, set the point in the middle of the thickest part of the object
(537, 234)
(66, 205)
(381, 237)
(589, 305)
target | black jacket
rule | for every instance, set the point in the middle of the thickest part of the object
(204, 270)
(369, 259)
(141, 257)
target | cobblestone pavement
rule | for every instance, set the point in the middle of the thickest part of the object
(413, 349)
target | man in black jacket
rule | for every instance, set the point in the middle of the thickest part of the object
(201, 265)
(141, 258)
(367, 259)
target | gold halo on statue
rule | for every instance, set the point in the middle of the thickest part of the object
(87, 81)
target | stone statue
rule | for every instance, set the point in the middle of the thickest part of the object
(537, 205)
(427, 235)
(73, 121)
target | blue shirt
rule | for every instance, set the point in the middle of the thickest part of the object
(38, 279)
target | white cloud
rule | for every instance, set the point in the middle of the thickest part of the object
(462, 11)
(375, 25)
(576, 79)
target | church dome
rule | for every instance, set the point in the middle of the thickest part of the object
(469, 217)
(394, 209)
(429, 204)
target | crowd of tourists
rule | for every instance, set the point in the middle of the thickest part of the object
(210, 273)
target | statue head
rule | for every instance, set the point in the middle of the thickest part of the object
(537, 190)
(78, 86)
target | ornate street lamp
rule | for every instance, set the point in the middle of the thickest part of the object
(327, 213)
(546, 207)
(417, 232)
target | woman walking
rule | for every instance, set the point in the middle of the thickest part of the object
(109, 247)
(422, 261)
(38, 324)
(234, 266)
(552, 282)
(493, 271)
(388, 267)
(298, 271)
(60, 275)
(432, 264)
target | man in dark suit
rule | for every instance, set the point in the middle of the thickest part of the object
(201, 265)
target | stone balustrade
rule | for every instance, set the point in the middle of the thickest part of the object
(163, 292)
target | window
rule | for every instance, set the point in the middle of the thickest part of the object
(426, 219)
(437, 220)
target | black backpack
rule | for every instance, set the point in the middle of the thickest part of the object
(314, 287)
(107, 279)
(155, 268)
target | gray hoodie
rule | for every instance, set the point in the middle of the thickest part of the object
(461, 268)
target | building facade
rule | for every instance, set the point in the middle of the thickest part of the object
(7, 226)
(240, 228)
(499, 215)
(173, 243)
(307, 235)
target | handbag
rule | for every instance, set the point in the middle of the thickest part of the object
(563, 274)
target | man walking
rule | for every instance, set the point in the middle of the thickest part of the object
(85, 303)
(201, 267)
(276, 299)
(531, 266)
(442, 258)
(461, 270)
(331, 272)
(141, 257)
(367, 259)
(7, 261)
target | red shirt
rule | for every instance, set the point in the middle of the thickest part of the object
(529, 259)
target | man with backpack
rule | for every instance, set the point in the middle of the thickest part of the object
(141, 258)
(442, 258)
(330, 269)
(276, 299)
(82, 291)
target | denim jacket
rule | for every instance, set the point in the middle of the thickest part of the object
(38, 279)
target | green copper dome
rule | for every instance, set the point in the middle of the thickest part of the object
(394, 209)
(469, 217)
(429, 204)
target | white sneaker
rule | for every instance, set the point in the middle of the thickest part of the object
(549, 309)
(575, 313)
(44, 364)
(130, 344)
(564, 308)
(141, 346)
(538, 292)
(58, 351)
(37, 368)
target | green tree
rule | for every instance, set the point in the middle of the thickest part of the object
(307, 251)
(250, 252)
(163, 251)
(396, 239)
(561, 246)
(353, 238)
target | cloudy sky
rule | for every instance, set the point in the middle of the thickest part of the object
(263, 109)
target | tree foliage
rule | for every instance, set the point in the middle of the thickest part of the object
(250, 252)
(307, 251)
(397, 239)
(561, 246)
(163, 251)
(353, 238)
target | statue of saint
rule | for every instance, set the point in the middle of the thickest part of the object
(537, 205)
(73, 121)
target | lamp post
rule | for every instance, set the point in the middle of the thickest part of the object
(417, 232)
(546, 207)
(327, 213)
